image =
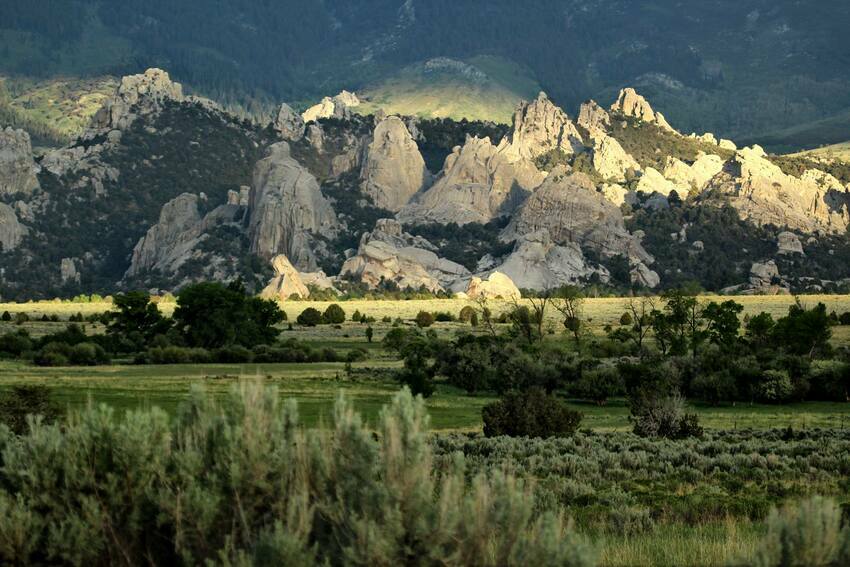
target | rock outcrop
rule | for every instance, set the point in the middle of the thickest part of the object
(18, 170)
(137, 95)
(168, 244)
(11, 231)
(630, 103)
(611, 160)
(540, 127)
(289, 123)
(479, 182)
(693, 177)
(594, 118)
(643, 276)
(389, 255)
(571, 210)
(68, 271)
(762, 193)
(653, 182)
(540, 264)
(287, 210)
(496, 286)
(286, 281)
(332, 107)
(788, 243)
(393, 171)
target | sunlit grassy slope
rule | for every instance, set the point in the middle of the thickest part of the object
(482, 88)
(53, 111)
(835, 151)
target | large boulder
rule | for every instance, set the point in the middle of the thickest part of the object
(653, 182)
(496, 286)
(11, 231)
(479, 182)
(693, 177)
(788, 243)
(611, 160)
(18, 170)
(393, 170)
(538, 263)
(571, 210)
(332, 107)
(630, 103)
(287, 210)
(540, 127)
(389, 255)
(289, 123)
(286, 281)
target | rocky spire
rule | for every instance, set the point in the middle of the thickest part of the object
(289, 123)
(11, 231)
(137, 95)
(332, 107)
(540, 127)
(286, 281)
(17, 167)
(287, 209)
(594, 118)
(394, 170)
(630, 103)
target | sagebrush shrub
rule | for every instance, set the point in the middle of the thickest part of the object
(532, 413)
(808, 535)
(242, 483)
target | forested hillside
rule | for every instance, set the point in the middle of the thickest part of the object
(739, 69)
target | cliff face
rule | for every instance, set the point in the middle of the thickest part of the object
(287, 210)
(393, 171)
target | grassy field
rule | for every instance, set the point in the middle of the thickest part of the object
(370, 386)
(370, 383)
(482, 88)
(835, 151)
(599, 311)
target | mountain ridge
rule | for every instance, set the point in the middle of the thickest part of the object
(166, 188)
(740, 70)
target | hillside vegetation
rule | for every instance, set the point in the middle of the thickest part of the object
(739, 70)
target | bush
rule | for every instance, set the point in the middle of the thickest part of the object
(303, 496)
(844, 318)
(807, 535)
(176, 355)
(830, 381)
(6, 316)
(233, 355)
(15, 344)
(443, 317)
(310, 317)
(665, 417)
(334, 315)
(775, 387)
(356, 355)
(465, 315)
(530, 414)
(19, 402)
(715, 387)
(21, 318)
(626, 319)
(51, 358)
(599, 385)
(88, 354)
(424, 319)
